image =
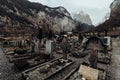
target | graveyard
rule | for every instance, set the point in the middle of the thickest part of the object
(59, 40)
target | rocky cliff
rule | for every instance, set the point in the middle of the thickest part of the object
(82, 17)
(83, 21)
(114, 19)
(115, 12)
(115, 8)
(22, 13)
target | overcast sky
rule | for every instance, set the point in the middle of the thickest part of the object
(97, 9)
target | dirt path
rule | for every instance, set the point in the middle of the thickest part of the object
(6, 69)
(114, 68)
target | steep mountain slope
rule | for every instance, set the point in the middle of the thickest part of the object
(114, 19)
(115, 12)
(22, 13)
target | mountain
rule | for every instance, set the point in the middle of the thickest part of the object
(83, 22)
(115, 12)
(114, 19)
(22, 14)
(82, 17)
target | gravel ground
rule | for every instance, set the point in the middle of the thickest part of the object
(114, 67)
(6, 69)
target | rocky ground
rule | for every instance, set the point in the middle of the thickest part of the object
(7, 72)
